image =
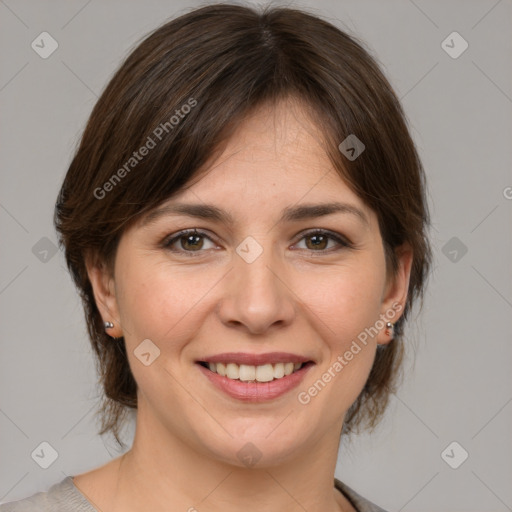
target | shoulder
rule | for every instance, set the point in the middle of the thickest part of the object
(361, 504)
(60, 497)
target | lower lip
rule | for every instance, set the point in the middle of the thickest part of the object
(256, 391)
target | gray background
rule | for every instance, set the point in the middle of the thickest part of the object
(457, 389)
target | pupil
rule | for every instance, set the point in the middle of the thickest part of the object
(190, 238)
(319, 238)
(316, 240)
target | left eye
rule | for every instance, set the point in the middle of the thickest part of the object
(192, 241)
(320, 239)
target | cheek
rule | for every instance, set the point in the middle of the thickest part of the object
(346, 300)
(163, 305)
(159, 302)
(348, 307)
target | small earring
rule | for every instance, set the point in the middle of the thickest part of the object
(389, 329)
(109, 325)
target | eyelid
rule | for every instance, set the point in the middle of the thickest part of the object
(342, 241)
(175, 237)
(338, 237)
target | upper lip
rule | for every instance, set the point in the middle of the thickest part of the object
(255, 359)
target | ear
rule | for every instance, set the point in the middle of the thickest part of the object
(395, 293)
(103, 286)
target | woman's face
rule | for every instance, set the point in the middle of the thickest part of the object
(258, 291)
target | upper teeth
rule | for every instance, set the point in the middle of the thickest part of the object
(246, 372)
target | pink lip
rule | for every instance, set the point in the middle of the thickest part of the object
(256, 359)
(256, 391)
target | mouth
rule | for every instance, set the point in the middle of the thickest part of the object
(255, 378)
(252, 373)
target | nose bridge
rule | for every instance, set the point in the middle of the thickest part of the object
(256, 265)
(258, 297)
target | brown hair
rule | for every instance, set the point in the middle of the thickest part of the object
(181, 93)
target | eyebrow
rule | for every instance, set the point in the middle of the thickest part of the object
(289, 214)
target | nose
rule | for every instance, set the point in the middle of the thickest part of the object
(257, 298)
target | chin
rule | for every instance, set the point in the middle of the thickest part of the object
(259, 444)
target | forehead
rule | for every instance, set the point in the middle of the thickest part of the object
(278, 148)
(274, 165)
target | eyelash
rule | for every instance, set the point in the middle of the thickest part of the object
(168, 242)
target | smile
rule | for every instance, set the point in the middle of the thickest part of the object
(255, 377)
(251, 373)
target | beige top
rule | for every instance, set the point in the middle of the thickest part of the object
(64, 496)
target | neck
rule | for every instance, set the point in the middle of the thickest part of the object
(153, 475)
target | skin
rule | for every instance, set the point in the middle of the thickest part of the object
(311, 300)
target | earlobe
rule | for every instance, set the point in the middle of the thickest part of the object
(390, 326)
(102, 283)
(395, 295)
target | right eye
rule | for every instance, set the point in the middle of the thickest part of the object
(190, 241)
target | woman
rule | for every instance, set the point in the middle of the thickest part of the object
(245, 220)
